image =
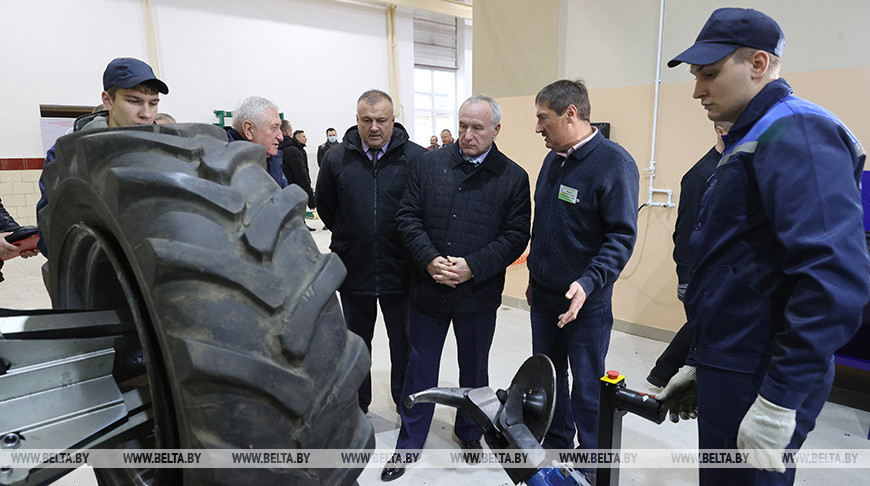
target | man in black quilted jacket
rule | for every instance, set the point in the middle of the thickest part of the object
(463, 219)
(358, 190)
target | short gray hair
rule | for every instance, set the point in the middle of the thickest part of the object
(252, 110)
(493, 105)
(374, 97)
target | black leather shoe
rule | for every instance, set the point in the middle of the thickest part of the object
(471, 446)
(395, 467)
(393, 470)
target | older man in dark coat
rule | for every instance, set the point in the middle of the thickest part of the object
(464, 218)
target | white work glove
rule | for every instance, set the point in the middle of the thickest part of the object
(680, 396)
(764, 432)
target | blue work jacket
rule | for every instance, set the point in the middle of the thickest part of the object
(781, 269)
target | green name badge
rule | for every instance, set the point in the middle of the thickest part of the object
(568, 194)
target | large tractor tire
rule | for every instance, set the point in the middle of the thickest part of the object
(231, 306)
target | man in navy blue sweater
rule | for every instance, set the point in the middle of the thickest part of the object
(584, 230)
(780, 272)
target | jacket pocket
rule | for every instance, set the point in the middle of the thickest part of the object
(728, 194)
(732, 321)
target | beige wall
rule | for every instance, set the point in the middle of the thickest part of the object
(19, 190)
(613, 43)
(612, 46)
(516, 46)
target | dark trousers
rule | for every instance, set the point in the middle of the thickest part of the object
(582, 345)
(723, 399)
(474, 333)
(673, 357)
(360, 314)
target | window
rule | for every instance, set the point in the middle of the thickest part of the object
(434, 103)
(435, 60)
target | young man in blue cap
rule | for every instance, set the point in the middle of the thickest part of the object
(131, 93)
(780, 272)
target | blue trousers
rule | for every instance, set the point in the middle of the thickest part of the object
(582, 345)
(360, 315)
(723, 399)
(474, 333)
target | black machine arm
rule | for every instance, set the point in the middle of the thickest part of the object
(515, 419)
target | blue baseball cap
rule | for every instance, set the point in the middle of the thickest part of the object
(730, 28)
(127, 72)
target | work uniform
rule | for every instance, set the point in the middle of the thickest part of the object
(781, 270)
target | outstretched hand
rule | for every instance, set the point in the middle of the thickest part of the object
(577, 296)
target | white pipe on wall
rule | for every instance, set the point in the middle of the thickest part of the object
(652, 160)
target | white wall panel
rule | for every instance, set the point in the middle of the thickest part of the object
(312, 58)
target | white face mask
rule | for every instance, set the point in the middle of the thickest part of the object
(332, 139)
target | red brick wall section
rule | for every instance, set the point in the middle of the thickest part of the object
(21, 164)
